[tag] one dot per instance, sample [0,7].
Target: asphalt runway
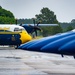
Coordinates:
[21,62]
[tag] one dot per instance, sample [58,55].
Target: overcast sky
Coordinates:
[63,9]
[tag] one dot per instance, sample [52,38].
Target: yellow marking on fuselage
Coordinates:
[9,32]
[5,28]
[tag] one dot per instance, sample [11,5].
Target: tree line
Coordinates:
[46,16]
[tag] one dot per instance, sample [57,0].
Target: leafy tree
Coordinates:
[48,17]
[6,17]
[25,21]
[69,28]
[51,30]
[6,20]
[73,21]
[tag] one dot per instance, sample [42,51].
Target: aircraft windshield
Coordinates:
[19,29]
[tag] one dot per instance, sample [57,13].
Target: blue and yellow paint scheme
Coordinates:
[13,35]
[14,38]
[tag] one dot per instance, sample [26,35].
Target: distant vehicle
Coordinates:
[13,35]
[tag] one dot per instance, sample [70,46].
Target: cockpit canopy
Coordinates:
[18,29]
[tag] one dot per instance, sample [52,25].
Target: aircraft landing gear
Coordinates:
[62,55]
[16,47]
[74,56]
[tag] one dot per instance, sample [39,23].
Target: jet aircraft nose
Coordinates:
[25,37]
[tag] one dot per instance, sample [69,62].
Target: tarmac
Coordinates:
[22,62]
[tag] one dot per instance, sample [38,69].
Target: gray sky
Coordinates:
[63,9]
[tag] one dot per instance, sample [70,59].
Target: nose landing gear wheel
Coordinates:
[16,47]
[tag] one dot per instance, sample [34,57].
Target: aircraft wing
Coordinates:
[48,24]
[40,25]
